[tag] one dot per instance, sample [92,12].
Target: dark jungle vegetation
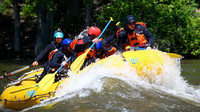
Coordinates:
[27,26]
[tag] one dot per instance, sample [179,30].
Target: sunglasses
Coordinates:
[131,24]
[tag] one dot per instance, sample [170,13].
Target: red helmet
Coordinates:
[94,31]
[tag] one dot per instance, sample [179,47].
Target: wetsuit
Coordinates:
[139,29]
[48,49]
[123,36]
[109,39]
[54,62]
[80,46]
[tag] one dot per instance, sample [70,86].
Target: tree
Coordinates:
[44,27]
[17,27]
[43,10]
[174,23]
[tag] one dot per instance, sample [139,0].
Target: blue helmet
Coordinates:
[98,45]
[66,42]
[58,34]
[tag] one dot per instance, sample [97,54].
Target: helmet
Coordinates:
[66,42]
[130,19]
[99,45]
[58,34]
[94,31]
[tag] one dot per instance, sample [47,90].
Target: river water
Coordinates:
[102,90]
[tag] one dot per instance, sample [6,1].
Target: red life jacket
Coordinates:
[90,54]
[52,53]
[111,51]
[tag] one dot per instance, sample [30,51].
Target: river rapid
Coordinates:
[122,90]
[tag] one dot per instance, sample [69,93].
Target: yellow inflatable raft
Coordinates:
[25,93]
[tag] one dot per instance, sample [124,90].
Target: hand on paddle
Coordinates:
[148,48]
[35,63]
[64,63]
[77,64]
[95,40]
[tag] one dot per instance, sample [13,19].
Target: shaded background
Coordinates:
[27,26]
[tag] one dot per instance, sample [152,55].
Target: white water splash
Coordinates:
[82,34]
[168,82]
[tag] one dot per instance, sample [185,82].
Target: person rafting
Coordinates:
[134,34]
[57,59]
[55,45]
[103,50]
[80,46]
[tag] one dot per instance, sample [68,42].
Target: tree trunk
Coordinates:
[87,16]
[50,25]
[44,28]
[88,11]
[17,27]
[41,37]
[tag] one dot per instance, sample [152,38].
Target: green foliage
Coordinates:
[31,6]
[4,6]
[174,23]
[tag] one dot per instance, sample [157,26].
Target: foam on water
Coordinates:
[169,82]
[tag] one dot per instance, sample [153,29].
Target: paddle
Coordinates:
[172,55]
[48,79]
[20,80]
[76,65]
[16,71]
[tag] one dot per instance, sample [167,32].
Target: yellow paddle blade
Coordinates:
[173,55]
[76,65]
[47,81]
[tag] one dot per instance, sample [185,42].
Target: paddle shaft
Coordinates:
[19,81]
[19,70]
[76,65]
[138,48]
[101,34]
[48,79]
[63,65]
[14,72]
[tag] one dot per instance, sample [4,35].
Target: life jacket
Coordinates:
[65,67]
[103,54]
[141,23]
[135,39]
[56,46]
[50,57]
[111,51]
[73,44]
[52,53]
[90,54]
